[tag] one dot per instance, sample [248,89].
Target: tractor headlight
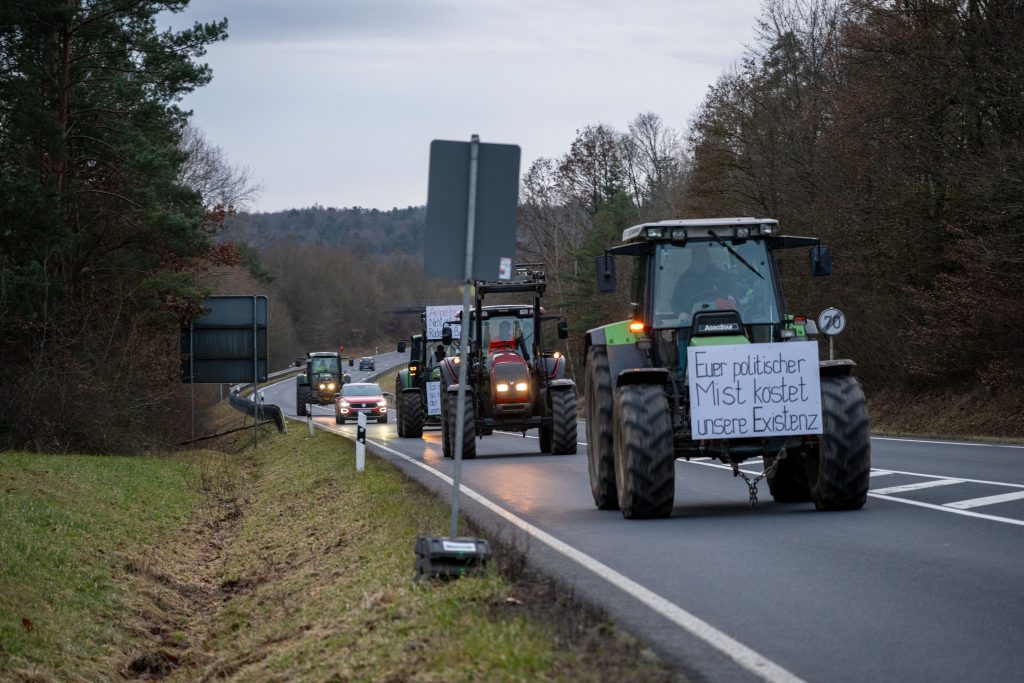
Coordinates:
[330,386]
[323,385]
[502,387]
[522,386]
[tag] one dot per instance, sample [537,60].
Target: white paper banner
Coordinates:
[433,398]
[754,390]
[437,316]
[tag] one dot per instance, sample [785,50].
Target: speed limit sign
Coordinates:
[831,321]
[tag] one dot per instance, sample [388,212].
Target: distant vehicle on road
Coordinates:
[366,363]
[360,397]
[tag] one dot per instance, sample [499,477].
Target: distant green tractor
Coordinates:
[711,367]
[418,386]
[321,380]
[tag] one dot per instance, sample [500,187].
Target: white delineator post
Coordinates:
[361,442]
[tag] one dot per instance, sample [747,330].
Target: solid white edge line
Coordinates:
[739,653]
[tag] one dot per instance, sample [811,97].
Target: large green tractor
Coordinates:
[320,381]
[711,366]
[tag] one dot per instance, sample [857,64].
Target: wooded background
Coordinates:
[892,130]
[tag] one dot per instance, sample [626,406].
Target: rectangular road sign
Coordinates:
[497,201]
[227,345]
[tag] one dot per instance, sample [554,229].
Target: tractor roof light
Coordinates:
[636,327]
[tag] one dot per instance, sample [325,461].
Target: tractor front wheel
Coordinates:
[468,425]
[301,399]
[600,451]
[563,422]
[410,414]
[788,482]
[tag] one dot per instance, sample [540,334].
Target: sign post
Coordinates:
[831,322]
[469,185]
[226,345]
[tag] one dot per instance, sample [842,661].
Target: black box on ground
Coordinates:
[438,556]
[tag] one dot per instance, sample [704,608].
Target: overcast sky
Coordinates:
[335,102]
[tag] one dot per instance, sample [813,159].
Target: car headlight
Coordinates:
[343,404]
[382,402]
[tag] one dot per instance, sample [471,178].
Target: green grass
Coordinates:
[70,525]
[280,563]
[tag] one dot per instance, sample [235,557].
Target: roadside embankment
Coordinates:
[275,563]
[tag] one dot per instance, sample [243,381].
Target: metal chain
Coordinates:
[752,483]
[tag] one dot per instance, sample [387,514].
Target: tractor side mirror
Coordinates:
[563,329]
[605,273]
[446,335]
[401,346]
[821,261]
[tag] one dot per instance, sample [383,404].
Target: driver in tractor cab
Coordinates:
[702,284]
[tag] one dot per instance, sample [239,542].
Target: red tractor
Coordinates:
[513,381]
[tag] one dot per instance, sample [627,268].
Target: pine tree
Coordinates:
[99,241]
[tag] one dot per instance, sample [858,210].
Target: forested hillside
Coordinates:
[360,231]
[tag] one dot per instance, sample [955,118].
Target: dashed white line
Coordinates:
[917,486]
[987,500]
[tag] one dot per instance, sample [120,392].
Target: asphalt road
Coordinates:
[926,583]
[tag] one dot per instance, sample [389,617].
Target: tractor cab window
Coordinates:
[507,333]
[322,364]
[704,276]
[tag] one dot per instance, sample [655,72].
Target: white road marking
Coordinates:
[987,500]
[949,443]
[879,473]
[944,508]
[960,479]
[919,485]
[742,655]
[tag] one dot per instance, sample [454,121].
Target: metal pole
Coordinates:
[460,412]
[192,382]
[831,347]
[255,378]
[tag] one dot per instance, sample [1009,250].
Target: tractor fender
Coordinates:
[658,376]
[454,389]
[562,384]
[836,368]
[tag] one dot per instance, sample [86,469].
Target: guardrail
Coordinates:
[259,410]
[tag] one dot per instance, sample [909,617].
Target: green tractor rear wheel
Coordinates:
[840,474]
[644,456]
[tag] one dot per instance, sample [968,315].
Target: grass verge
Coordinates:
[279,563]
[71,526]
